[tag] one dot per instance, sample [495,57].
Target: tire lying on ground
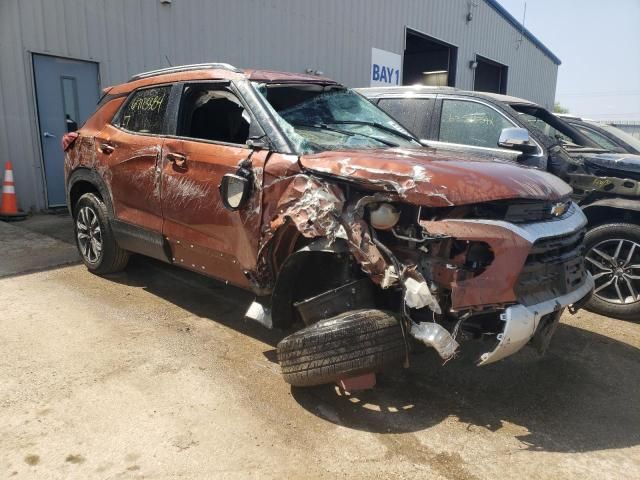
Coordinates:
[346,345]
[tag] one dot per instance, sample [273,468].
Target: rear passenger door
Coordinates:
[131,145]
[208,140]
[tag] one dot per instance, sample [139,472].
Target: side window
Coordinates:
[545,128]
[471,123]
[413,113]
[210,112]
[600,139]
[144,112]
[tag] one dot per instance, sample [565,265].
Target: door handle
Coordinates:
[177,159]
[48,135]
[107,148]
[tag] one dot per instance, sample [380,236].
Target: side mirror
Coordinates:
[234,191]
[516,139]
[258,142]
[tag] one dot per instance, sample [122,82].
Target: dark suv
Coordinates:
[605,184]
[605,136]
[335,216]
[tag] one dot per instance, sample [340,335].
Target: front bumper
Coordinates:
[512,245]
[521,322]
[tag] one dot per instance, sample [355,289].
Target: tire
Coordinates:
[90,211]
[606,238]
[346,345]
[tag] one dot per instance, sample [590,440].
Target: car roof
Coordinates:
[418,89]
[214,71]
[570,117]
[273,76]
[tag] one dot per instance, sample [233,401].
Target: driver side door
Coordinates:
[209,141]
[468,125]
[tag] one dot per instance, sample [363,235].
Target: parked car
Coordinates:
[605,184]
[334,215]
[606,136]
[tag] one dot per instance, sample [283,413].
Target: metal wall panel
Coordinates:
[333,36]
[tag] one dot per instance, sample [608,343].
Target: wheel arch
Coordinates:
[85,180]
[612,210]
[327,265]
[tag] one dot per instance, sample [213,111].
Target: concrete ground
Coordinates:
[153,373]
[39,242]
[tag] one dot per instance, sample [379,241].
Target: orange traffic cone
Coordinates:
[9,205]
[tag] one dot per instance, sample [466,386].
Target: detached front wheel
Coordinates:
[613,258]
[94,238]
[346,345]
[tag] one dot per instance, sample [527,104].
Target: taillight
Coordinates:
[68,139]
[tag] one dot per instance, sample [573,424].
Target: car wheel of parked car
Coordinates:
[346,345]
[613,258]
[96,243]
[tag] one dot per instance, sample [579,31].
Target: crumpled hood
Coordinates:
[437,178]
[624,162]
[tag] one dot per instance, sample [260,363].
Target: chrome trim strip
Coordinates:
[521,322]
[572,221]
[500,152]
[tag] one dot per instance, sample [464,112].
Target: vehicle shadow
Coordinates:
[581,396]
[199,295]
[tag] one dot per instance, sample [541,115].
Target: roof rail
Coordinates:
[185,68]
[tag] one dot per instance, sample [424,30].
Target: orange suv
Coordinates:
[300,190]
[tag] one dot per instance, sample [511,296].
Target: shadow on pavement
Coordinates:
[582,396]
[200,295]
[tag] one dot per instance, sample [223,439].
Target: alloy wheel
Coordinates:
[89,234]
[615,266]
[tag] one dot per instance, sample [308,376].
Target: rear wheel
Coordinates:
[613,258]
[346,345]
[94,238]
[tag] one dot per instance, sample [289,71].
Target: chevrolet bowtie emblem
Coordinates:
[559,209]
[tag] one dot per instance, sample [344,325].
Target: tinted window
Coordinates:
[413,113]
[600,139]
[213,113]
[471,123]
[547,129]
[144,113]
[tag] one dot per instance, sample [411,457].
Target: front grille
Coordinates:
[554,267]
[529,212]
[514,211]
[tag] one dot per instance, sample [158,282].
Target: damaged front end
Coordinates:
[457,246]
[501,271]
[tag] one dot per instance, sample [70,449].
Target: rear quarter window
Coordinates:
[145,111]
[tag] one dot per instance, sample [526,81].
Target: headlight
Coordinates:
[383,216]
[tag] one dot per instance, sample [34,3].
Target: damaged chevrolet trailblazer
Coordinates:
[302,191]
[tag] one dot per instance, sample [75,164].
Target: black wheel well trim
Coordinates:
[83,175]
[609,210]
[282,294]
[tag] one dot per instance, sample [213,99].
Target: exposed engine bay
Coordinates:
[498,271]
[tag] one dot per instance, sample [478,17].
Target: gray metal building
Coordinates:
[56,54]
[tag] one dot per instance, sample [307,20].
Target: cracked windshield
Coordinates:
[318,118]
